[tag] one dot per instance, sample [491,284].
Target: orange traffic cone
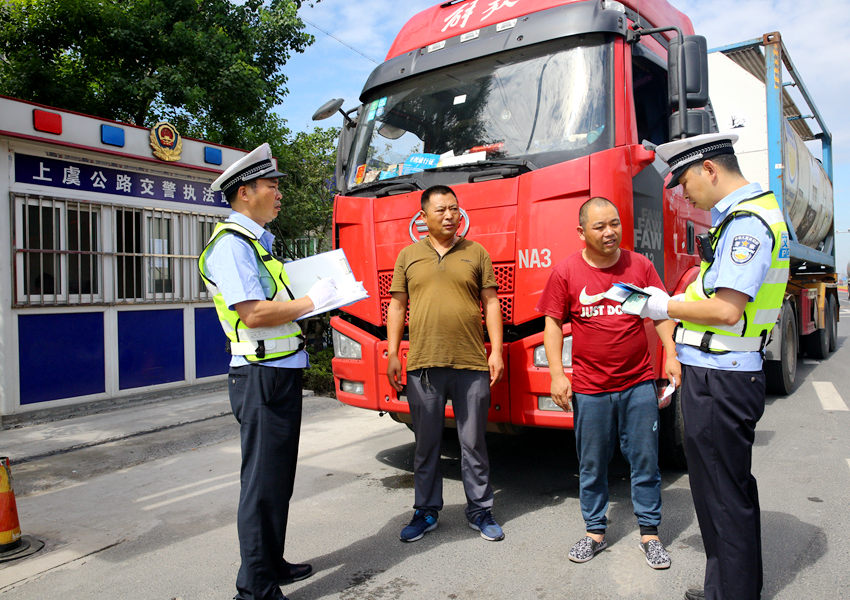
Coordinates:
[12,544]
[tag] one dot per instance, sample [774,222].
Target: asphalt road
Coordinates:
[153,517]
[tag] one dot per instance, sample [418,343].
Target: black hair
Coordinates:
[435,189]
[595,201]
[231,196]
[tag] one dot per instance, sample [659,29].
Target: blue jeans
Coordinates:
[631,416]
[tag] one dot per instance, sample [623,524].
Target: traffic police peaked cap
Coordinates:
[255,165]
[681,154]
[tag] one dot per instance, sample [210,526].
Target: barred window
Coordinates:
[161,245]
[128,254]
[205,230]
[57,257]
[65,256]
[84,262]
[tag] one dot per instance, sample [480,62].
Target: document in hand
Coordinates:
[303,273]
[632,297]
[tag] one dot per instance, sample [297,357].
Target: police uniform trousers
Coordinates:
[266,402]
[427,390]
[720,410]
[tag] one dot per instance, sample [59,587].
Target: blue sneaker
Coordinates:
[422,522]
[486,524]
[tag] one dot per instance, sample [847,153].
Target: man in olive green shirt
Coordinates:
[447,279]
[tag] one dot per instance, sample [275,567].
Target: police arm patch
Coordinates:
[744,247]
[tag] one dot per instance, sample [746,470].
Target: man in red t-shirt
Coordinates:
[613,387]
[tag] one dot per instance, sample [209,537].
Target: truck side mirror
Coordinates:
[697,122]
[695,57]
[343,149]
[328,109]
[346,136]
[695,89]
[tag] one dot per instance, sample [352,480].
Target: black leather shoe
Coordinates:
[291,573]
[695,594]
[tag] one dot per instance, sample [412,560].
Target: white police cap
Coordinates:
[255,165]
[681,154]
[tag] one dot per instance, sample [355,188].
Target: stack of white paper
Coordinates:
[303,273]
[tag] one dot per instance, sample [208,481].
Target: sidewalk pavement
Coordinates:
[146,413]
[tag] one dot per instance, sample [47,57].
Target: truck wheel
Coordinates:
[671,436]
[781,374]
[817,342]
[832,322]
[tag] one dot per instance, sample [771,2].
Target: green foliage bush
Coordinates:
[319,377]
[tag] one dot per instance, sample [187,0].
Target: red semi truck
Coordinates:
[527,109]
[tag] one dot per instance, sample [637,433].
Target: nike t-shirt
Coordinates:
[610,350]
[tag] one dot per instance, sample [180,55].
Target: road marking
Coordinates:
[180,488]
[810,361]
[829,397]
[190,495]
[848,463]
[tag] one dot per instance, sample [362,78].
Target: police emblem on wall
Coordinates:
[166,141]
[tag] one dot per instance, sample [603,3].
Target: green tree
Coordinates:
[211,67]
[308,160]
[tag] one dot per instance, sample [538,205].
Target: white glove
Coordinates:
[656,305]
[323,293]
[678,298]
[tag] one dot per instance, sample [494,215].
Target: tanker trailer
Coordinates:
[773,149]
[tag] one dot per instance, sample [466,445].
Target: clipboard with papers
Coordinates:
[304,272]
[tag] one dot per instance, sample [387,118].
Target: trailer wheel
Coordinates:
[672,435]
[781,374]
[817,342]
[832,322]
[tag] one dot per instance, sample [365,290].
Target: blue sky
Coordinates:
[814,33]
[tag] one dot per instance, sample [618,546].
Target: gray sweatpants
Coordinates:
[469,391]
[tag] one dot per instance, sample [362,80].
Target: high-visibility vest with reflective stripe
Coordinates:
[761,313]
[258,344]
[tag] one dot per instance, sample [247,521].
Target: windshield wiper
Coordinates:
[387,187]
[484,170]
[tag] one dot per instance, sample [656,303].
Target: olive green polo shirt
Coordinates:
[445,326]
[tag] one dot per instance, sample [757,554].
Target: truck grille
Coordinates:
[504,277]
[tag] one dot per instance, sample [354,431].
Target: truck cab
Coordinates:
[527,112]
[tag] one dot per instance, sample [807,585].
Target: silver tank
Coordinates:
[808,191]
[738,98]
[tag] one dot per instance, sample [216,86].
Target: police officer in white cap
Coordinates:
[257,311]
[725,318]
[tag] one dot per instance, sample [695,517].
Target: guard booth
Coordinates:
[100,229]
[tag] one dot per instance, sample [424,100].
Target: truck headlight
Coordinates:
[566,354]
[352,387]
[345,347]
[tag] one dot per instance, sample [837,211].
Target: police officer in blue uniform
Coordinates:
[257,312]
[725,318]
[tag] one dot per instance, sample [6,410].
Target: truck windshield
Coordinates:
[546,103]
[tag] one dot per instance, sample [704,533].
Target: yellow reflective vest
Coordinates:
[760,314]
[258,344]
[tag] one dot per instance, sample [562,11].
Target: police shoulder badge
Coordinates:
[744,247]
[166,141]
